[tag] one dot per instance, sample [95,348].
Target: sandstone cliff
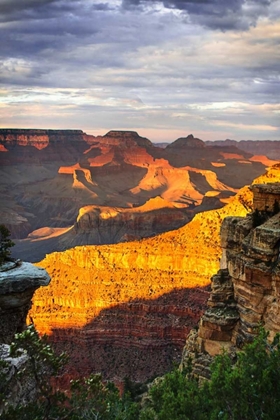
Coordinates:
[125,309]
[245,291]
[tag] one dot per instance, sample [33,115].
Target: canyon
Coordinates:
[125,309]
[63,188]
[131,233]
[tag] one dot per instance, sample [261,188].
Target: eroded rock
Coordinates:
[17,285]
[245,292]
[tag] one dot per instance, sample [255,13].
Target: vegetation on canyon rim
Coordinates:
[5,243]
[248,389]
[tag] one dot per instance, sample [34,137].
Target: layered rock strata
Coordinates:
[125,309]
[269,148]
[245,291]
[49,176]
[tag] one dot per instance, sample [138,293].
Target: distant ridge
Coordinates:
[37,131]
[269,148]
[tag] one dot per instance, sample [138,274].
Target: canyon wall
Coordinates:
[245,291]
[125,309]
[269,148]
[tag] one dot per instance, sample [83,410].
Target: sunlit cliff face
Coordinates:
[111,305]
[88,279]
[108,304]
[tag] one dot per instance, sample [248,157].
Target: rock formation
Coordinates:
[125,309]
[101,225]
[49,176]
[189,142]
[18,282]
[245,291]
[126,313]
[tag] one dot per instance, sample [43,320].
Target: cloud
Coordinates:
[150,65]
[214,14]
[13,10]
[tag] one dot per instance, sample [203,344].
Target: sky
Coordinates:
[162,68]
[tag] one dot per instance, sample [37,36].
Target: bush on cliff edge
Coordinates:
[88,398]
[247,390]
[5,243]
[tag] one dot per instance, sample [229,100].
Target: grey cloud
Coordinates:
[14,10]
[214,14]
[49,25]
[68,31]
[155,54]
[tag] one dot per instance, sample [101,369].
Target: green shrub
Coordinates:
[247,390]
[5,243]
[88,398]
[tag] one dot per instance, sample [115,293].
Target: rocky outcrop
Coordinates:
[266,198]
[18,282]
[245,291]
[40,146]
[18,388]
[104,225]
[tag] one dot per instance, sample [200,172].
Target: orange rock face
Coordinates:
[125,309]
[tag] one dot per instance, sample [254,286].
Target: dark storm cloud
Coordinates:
[215,14]
[33,27]
[14,10]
